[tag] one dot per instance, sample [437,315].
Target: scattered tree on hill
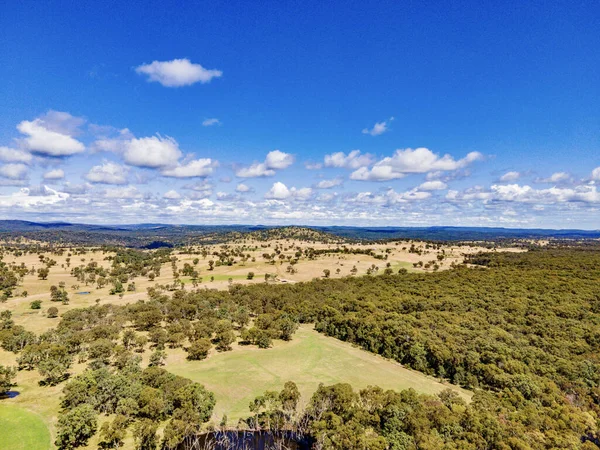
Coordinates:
[7,377]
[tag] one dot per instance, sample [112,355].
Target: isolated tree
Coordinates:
[52,312]
[250,275]
[326,273]
[36,304]
[7,376]
[199,349]
[43,273]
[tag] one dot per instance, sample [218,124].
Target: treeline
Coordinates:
[527,328]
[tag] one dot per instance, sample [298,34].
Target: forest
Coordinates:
[521,330]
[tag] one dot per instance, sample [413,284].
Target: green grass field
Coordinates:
[239,376]
[22,430]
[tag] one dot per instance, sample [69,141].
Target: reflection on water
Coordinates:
[9,394]
[247,440]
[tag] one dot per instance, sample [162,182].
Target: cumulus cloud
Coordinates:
[352,160]
[13,171]
[56,174]
[211,122]
[178,72]
[156,152]
[242,188]
[14,155]
[596,174]
[435,185]
[172,195]
[197,168]
[409,161]
[108,173]
[275,160]
[51,136]
[378,128]
[328,184]
[280,191]
[510,176]
[152,152]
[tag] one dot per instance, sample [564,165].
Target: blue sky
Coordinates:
[356,113]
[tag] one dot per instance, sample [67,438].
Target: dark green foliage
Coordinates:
[36,304]
[199,349]
[75,427]
[113,433]
[7,377]
[144,434]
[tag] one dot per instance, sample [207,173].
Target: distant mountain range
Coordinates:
[155,235]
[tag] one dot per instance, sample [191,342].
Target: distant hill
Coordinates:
[457,233]
[160,235]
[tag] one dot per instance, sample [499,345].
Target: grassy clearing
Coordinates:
[238,376]
[21,429]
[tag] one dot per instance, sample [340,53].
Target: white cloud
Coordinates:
[557,177]
[420,160]
[435,185]
[275,160]
[328,184]
[116,143]
[280,191]
[62,122]
[172,195]
[254,171]
[242,188]
[13,171]
[24,199]
[178,72]
[43,140]
[108,173]
[197,168]
[200,190]
[14,155]
[596,174]
[390,197]
[527,194]
[211,122]
[353,160]
[302,193]
[516,193]
[152,152]
[56,174]
[510,176]
[278,160]
[378,128]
